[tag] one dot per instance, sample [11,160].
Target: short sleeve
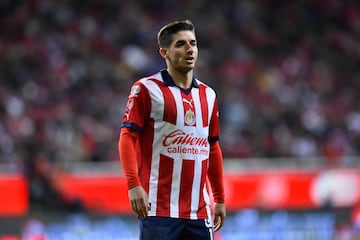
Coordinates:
[137,107]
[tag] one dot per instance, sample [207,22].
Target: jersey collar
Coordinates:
[170,82]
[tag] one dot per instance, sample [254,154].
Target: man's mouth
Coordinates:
[189,59]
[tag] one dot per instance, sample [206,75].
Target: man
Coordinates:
[169,145]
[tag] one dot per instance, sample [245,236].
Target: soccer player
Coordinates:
[169,146]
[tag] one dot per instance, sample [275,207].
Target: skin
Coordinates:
[180,58]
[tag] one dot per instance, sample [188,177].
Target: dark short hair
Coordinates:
[166,32]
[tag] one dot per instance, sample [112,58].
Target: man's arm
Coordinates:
[137,195]
[215,176]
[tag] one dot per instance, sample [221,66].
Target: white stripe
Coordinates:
[211,99]
[207,201]
[157,110]
[195,192]
[198,114]
[179,105]
[175,189]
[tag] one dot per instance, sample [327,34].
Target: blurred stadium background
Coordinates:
[287,75]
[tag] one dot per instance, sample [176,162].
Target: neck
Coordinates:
[181,79]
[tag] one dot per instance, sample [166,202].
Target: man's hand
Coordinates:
[219,215]
[139,201]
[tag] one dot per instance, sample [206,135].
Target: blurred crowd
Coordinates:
[287,74]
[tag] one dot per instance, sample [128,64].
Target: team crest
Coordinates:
[190,117]
[134,90]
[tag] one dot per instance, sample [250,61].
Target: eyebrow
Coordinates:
[183,41]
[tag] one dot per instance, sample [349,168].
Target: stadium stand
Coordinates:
[287,75]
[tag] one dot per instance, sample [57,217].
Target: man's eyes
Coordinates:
[179,44]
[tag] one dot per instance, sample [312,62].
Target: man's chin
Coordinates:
[188,68]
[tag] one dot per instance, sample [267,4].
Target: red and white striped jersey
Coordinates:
[176,127]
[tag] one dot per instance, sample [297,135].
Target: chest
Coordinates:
[174,106]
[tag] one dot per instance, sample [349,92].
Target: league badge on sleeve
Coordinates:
[135,90]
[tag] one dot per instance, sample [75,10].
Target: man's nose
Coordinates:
[189,48]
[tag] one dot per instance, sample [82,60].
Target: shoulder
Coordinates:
[205,86]
[149,79]
[145,83]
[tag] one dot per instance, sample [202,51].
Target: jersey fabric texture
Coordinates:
[176,127]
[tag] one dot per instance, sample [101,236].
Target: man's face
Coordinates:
[183,51]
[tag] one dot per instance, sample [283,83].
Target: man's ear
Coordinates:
[163,52]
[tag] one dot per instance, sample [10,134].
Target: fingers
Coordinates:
[218,223]
[139,201]
[219,215]
[140,207]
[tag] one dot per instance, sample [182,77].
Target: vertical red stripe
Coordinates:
[170,110]
[188,104]
[144,149]
[204,105]
[164,185]
[187,178]
[202,204]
